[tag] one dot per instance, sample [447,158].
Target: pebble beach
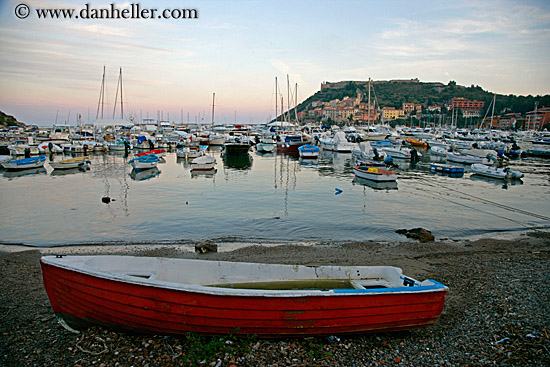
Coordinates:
[497,311]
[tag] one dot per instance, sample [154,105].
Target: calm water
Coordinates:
[262,197]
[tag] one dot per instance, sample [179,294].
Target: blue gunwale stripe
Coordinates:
[435,286]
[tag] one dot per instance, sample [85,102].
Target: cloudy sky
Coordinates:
[52,68]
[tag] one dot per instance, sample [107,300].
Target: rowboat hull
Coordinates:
[204,163]
[375,174]
[308,151]
[158,152]
[139,303]
[80,162]
[27,163]
[463,158]
[145,162]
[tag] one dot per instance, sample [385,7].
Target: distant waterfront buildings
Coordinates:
[537,118]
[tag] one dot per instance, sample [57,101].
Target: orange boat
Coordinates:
[416,143]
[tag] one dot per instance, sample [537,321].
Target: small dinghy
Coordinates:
[78,162]
[308,151]
[175,296]
[145,162]
[440,151]
[158,152]
[495,172]
[20,164]
[374,173]
[204,163]
[463,158]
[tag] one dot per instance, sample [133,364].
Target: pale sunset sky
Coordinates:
[52,68]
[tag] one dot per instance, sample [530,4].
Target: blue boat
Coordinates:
[446,169]
[19,164]
[145,162]
[309,151]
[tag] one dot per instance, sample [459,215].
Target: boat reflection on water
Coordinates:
[143,175]
[26,172]
[240,162]
[184,162]
[203,173]
[387,185]
[70,171]
[496,181]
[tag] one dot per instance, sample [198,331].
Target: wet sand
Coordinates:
[497,311]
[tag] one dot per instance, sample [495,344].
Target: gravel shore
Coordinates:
[497,312]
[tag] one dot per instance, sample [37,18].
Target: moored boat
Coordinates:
[20,164]
[463,158]
[263,147]
[158,152]
[291,143]
[308,151]
[438,151]
[204,163]
[538,152]
[446,169]
[416,143]
[78,162]
[495,172]
[374,173]
[236,147]
[145,162]
[175,296]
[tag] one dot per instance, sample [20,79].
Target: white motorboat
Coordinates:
[495,172]
[338,143]
[463,158]
[400,153]
[49,147]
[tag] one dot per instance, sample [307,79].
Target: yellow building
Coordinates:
[391,113]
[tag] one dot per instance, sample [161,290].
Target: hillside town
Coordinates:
[475,114]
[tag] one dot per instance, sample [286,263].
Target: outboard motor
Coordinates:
[414,155]
[389,161]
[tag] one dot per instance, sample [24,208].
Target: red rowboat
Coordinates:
[158,152]
[175,296]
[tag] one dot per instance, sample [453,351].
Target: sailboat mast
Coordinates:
[213,99]
[101,93]
[282,120]
[296,102]
[121,104]
[116,96]
[288,96]
[276,97]
[368,108]
[492,112]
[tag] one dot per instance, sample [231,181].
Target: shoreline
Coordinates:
[496,311]
[230,244]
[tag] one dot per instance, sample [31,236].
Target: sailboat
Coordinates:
[289,142]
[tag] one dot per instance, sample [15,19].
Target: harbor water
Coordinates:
[262,198]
